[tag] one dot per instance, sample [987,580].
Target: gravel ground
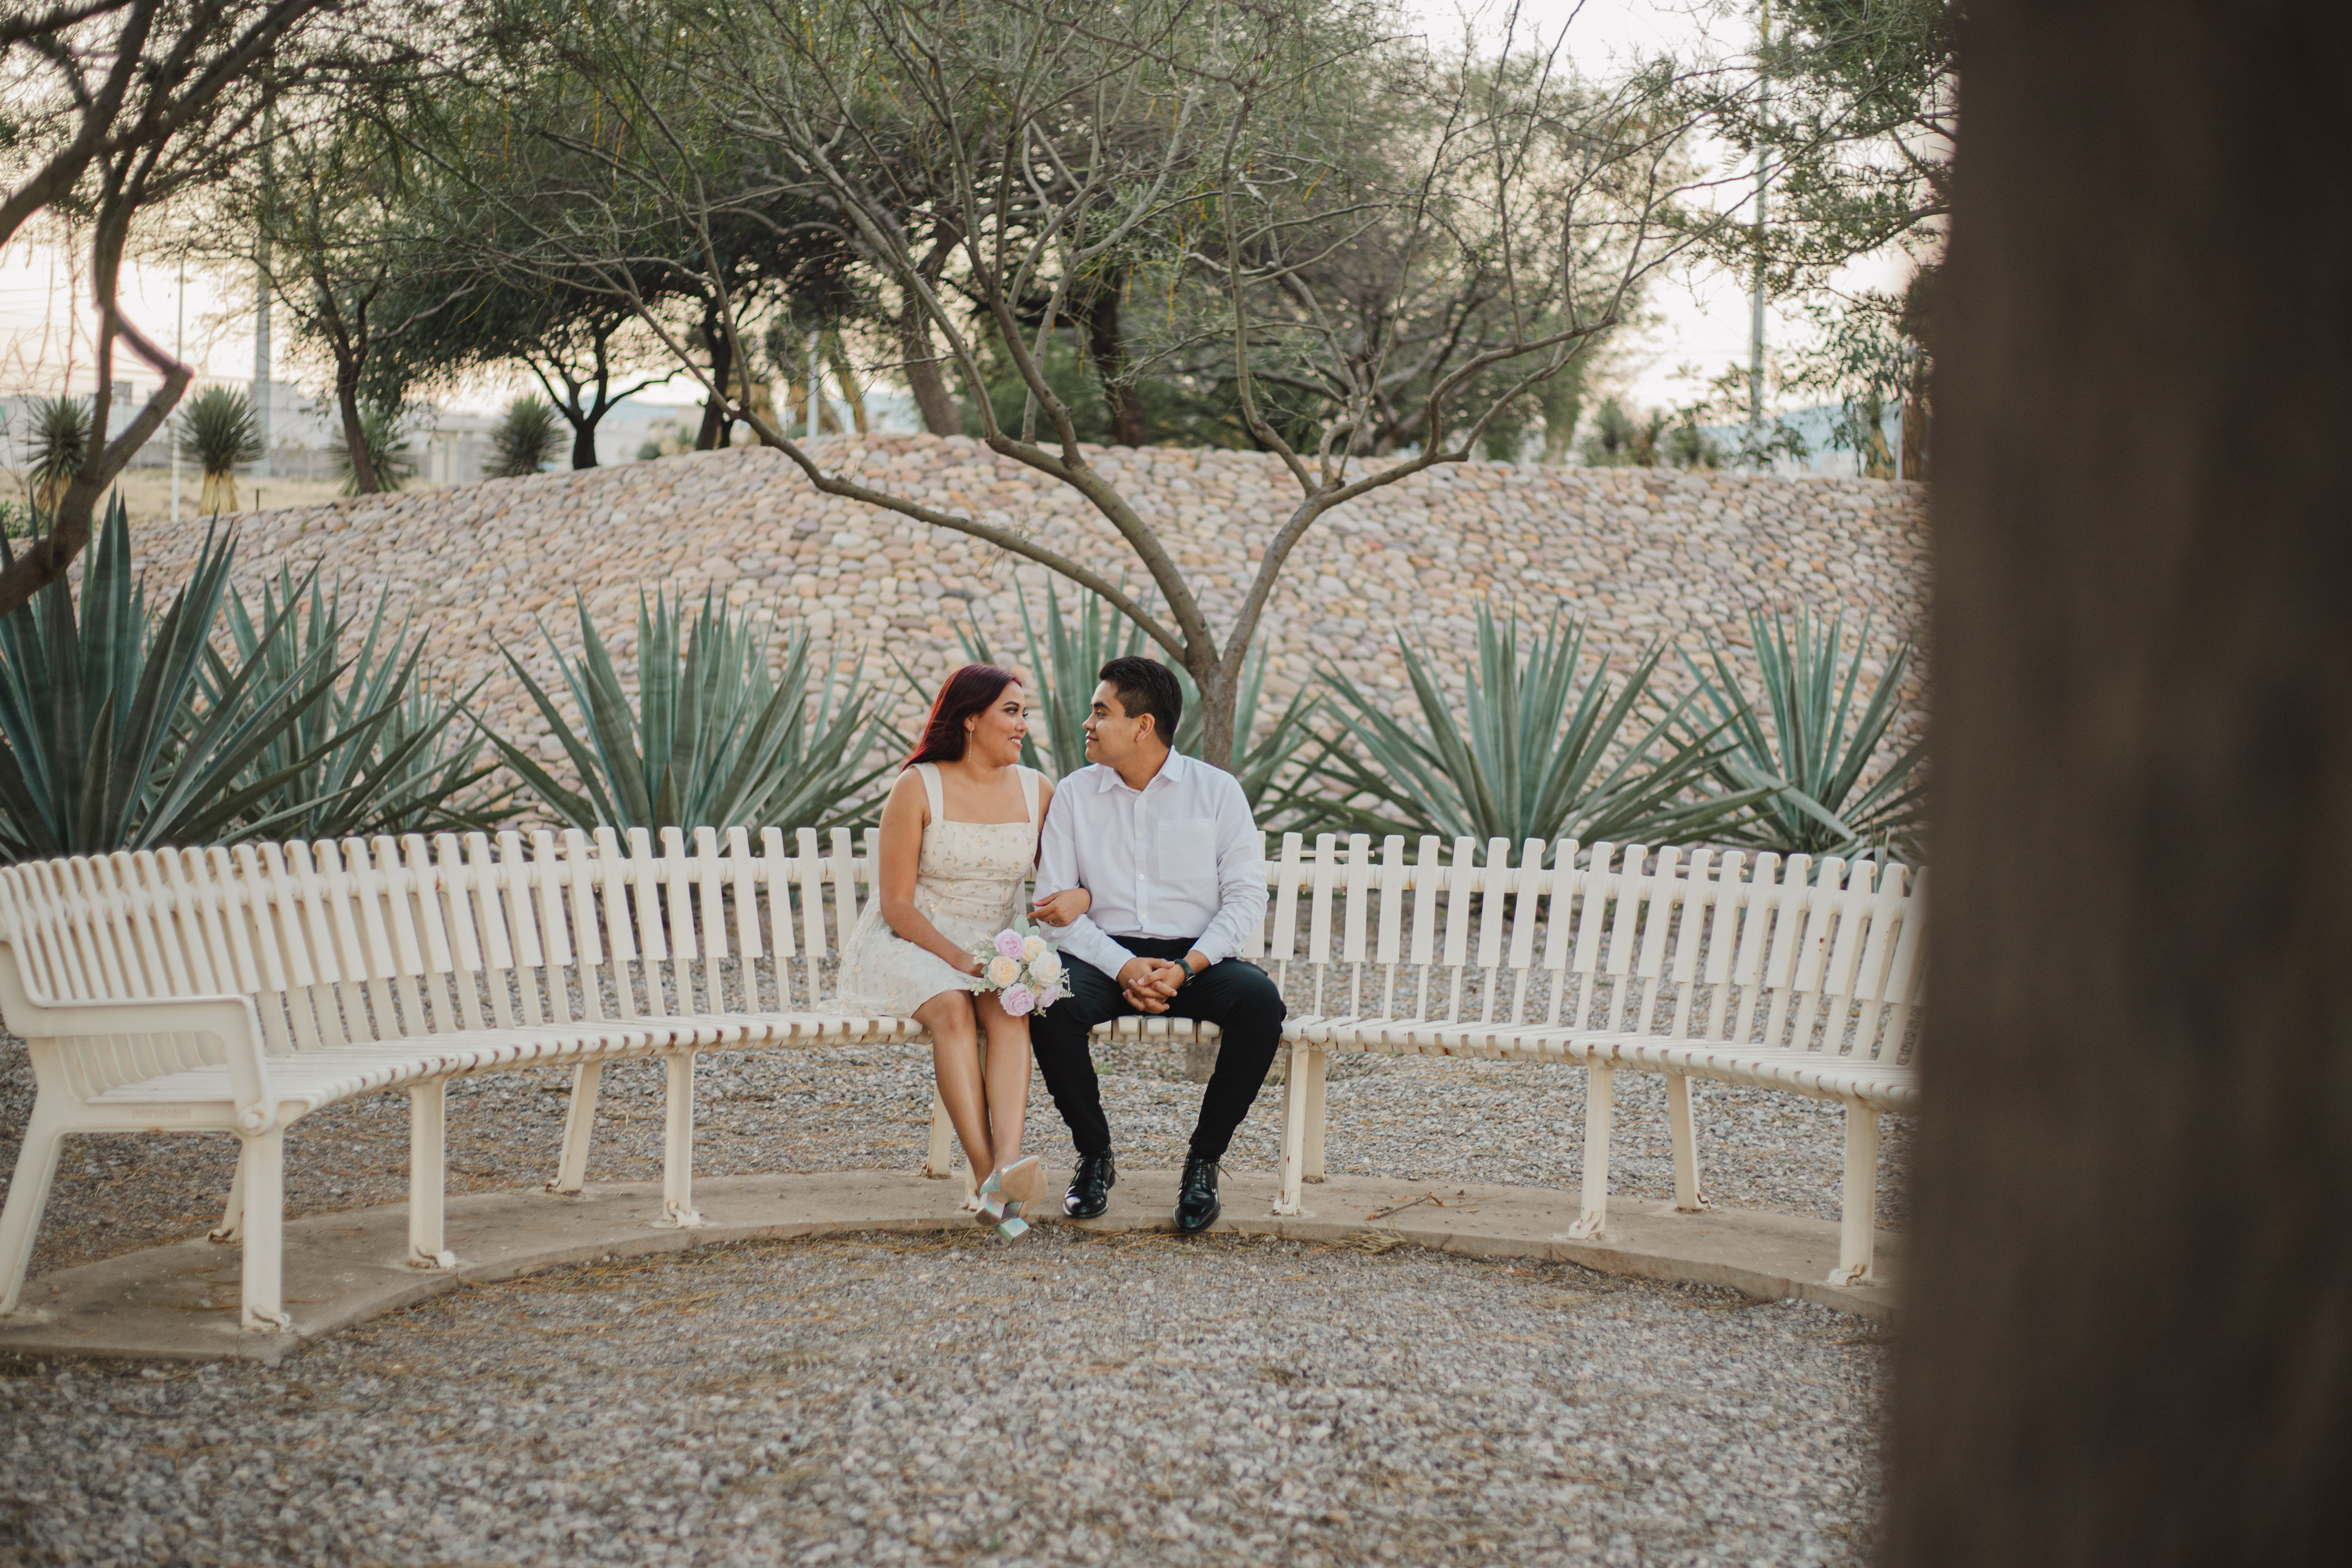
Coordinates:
[869,1106]
[1077,1399]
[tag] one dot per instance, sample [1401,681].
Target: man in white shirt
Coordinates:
[1173,864]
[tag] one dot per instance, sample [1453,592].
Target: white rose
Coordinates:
[1045,968]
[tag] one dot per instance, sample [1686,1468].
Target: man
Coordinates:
[1173,865]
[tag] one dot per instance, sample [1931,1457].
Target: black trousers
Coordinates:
[1240,998]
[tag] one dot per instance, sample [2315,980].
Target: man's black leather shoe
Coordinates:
[1197,1207]
[1090,1186]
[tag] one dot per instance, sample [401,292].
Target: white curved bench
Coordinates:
[236,990]
[1688,964]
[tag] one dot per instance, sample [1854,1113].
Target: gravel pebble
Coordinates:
[1077,1399]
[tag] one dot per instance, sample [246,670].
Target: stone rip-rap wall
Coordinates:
[1641,553]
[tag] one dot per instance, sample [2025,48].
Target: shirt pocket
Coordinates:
[1187,859]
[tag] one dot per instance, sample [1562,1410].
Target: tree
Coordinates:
[1853,107]
[219,434]
[115,108]
[1052,143]
[361,278]
[2125,1322]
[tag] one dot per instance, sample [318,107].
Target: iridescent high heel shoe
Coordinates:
[1009,1191]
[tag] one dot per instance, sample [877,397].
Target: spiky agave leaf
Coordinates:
[710,738]
[118,732]
[1530,749]
[1807,765]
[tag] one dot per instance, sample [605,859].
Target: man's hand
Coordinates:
[1149,983]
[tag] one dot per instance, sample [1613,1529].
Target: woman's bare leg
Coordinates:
[955,1063]
[1007,1075]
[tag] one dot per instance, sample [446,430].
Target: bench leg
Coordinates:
[1598,1093]
[1857,1212]
[1688,1196]
[428,1167]
[579,1128]
[1294,1132]
[677,1147]
[263,1161]
[938,1160]
[232,1223]
[29,1194]
[1318,1064]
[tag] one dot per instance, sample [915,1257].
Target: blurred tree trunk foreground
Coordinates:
[2131,1329]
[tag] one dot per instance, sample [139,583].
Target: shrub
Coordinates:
[218,433]
[381,428]
[525,440]
[1806,766]
[1529,750]
[405,765]
[711,739]
[125,733]
[1064,663]
[62,437]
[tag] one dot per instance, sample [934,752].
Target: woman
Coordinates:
[959,839]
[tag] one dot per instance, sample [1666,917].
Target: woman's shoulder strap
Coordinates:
[930,774]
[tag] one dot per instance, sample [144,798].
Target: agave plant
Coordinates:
[404,766]
[387,449]
[1806,766]
[1530,749]
[218,433]
[525,440]
[120,732]
[60,441]
[1065,662]
[712,739]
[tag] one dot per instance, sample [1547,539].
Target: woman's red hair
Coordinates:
[972,690]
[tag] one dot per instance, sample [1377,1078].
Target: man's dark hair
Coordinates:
[1147,686]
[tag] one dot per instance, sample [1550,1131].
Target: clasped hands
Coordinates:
[1150,983]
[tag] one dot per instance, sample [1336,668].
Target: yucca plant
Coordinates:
[1807,765]
[386,444]
[218,433]
[525,440]
[123,732]
[60,441]
[407,766]
[1065,659]
[711,738]
[1530,749]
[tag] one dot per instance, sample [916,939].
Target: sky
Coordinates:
[1702,315]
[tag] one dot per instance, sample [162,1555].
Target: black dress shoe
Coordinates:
[1090,1186]
[1197,1207]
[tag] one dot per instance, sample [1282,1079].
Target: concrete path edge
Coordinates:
[178,1300]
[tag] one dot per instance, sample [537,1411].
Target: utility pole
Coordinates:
[1763,180]
[261,308]
[180,353]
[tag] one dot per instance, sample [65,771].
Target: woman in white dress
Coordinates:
[958,841]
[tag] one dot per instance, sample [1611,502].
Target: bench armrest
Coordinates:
[230,1018]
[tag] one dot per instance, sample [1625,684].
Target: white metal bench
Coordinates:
[1688,964]
[239,990]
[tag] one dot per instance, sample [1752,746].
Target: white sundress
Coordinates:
[968,883]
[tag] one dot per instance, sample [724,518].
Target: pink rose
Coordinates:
[1015,1000]
[1008,943]
[1047,996]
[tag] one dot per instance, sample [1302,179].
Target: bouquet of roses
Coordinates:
[1022,969]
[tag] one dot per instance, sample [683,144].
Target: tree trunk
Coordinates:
[584,442]
[1217,693]
[925,377]
[1107,347]
[716,424]
[364,479]
[2127,1329]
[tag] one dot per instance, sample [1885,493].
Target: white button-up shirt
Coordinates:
[1180,859]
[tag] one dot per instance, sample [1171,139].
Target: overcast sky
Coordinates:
[1703,315]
